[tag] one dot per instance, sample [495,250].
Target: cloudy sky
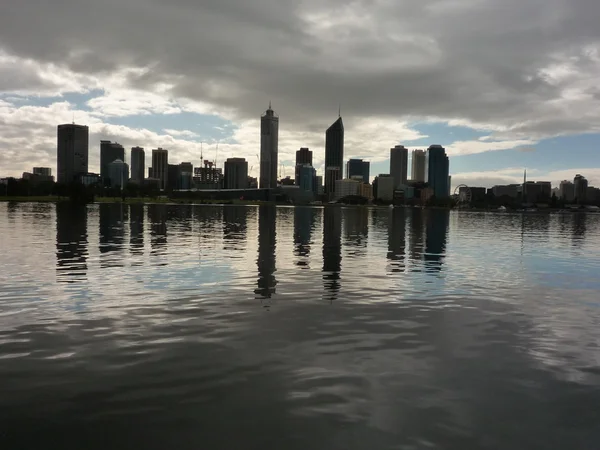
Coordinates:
[503,84]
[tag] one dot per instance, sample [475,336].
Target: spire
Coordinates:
[339,110]
[270,104]
[525,176]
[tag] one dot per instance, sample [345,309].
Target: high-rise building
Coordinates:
[118,173]
[173,177]
[109,152]
[160,166]
[186,174]
[399,165]
[581,185]
[334,155]
[71,152]
[436,170]
[138,163]
[418,166]
[307,177]
[303,156]
[358,168]
[566,191]
[42,171]
[236,173]
[269,141]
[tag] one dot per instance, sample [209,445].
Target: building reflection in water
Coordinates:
[578,228]
[71,242]
[332,251]
[112,233]
[157,216]
[435,238]
[136,229]
[397,240]
[267,241]
[416,240]
[356,229]
[304,222]
[235,227]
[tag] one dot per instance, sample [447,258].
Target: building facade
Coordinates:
[109,152]
[186,174]
[358,168]
[566,191]
[160,166]
[236,173]
[269,142]
[580,186]
[418,166]
[334,156]
[303,156]
[506,190]
[138,165]
[399,164]
[118,173]
[383,187]
[436,170]
[307,177]
[42,171]
[346,187]
[72,150]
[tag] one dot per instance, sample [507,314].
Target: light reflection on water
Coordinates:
[179,326]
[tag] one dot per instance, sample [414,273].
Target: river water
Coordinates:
[233,327]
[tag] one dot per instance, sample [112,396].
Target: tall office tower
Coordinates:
[418,166]
[303,156]
[109,152]
[567,190]
[334,155]
[399,164]
[581,185]
[358,168]
[236,173]
[138,163]
[269,141]
[160,166]
[71,151]
[436,170]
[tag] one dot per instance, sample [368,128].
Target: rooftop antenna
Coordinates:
[73,117]
[269,104]
[201,157]
[339,110]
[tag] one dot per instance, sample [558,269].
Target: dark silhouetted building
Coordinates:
[580,185]
[269,141]
[160,166]
[138,164]
[186,175]
[418,166]
[118,173]
[109,152]
[399,165]
[303,156]
[71,152]
[358,168]
[236,173]
[436,170]
[173,176]
[334,156]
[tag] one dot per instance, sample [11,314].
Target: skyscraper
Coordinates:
[334,155]
[358,168]
[138,162]
[71,151]
[418,166]
[581,185]
[160,166]
[236,173]
[399,164]
[109,152]
[303,156]
[118,173]
[436,170]
[269,141]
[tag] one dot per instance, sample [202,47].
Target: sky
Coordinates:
[503,85]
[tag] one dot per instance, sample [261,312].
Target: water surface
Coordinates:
[226,327]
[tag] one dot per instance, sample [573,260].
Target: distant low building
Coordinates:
[90,179]
[567,191]
[346,187]
[383,187]
[507,190]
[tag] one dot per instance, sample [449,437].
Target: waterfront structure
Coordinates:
[383,187]
[580,185]
[71,152]
[138,163]
[436,170]
[186,174]
[566,191]
[418,166]
[109,152]
[236,173]
[118,173]
[307,176]
[269,141]
[358,168]
[346,187]
[399,164]
[334,155]
[160,166]
[303,156]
